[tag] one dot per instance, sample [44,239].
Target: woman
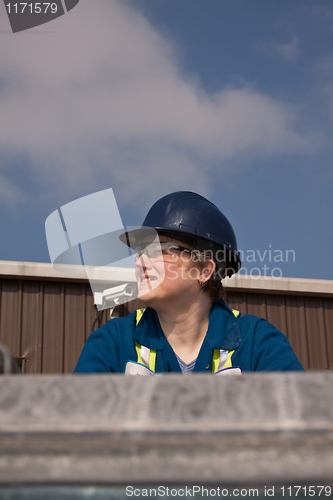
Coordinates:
[186,325]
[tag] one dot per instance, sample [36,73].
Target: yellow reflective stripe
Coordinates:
[152,360]
[228,363]
[152,352]
[138,353]
[152,357]
[139,313]
[217,354]
[216,360]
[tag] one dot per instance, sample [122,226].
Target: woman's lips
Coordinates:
[147,278]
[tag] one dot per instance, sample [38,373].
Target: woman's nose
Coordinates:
[143,261]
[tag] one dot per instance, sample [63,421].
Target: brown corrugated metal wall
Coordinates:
[307,321]
[47,322]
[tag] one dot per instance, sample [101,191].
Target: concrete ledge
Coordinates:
[175,429]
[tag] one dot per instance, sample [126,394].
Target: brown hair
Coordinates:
[214,288]
[214,285]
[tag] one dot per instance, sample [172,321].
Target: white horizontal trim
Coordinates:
[41,270]
[278,285]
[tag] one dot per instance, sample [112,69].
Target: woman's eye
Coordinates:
[168,251]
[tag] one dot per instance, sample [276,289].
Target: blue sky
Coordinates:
[231,99]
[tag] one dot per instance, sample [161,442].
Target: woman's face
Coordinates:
[166,272]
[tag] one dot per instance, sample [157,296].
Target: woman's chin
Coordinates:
[146,292]
[146,297]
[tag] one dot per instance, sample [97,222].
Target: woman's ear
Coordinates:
[207,270]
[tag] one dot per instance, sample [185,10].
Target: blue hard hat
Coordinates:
[191,218]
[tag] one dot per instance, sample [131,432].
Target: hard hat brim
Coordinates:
[133,237]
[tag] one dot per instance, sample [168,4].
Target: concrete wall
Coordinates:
[255,429]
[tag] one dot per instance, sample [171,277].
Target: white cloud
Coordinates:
[102,102]
[10,194]
[290,50]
